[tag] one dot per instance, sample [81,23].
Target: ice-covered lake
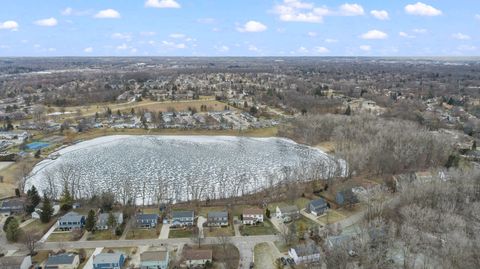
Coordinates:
[155,168]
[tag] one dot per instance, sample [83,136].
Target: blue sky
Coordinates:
[239,28]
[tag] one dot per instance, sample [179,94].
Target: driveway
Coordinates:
[201,220]
[279,225]
[311,217]
[164,231]
[236,226]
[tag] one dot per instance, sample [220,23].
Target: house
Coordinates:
[287,213]
[108,261]
[154,259]
[16,262]
[12,206]
[102,221]
[71,220]
[346,197]
[146,220]
[252,215]
[196,258]
[340,241]
[305,253]
[38,211]
[317,207]
[63,261]
[182,218]
[217,218]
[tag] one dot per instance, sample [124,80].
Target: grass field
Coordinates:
[60,237]
[102,235]
[216,231]
[37,227]
[180,233]
[264,228]
[264,256]
[143,233]
[331,216]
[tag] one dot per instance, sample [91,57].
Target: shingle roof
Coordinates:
[289,209]
[217,214]
[107,258]
[147,216]
[319,203]
[71,217]
[306,250]
[11,262]
[252,211]
[159,255]
[182,214]
[194,254]
[65,258]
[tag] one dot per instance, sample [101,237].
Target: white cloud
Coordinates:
[253,48]
[177,35]
[365,47]
[108,14]
[419,31]
[252,27]
[351,10]
[88,50]
[461,36]
[302,50]
[331,40]
[9,25]
[147,33]
[222,48]
[405,35]
[174,45]
[50,22]
[51,49]
[380,14]
[297,11]
[421,9]
[122,47]
[467,48]
[162,4]
[312,34]
[124,36]
[374,34]
[321,50]
[67,11]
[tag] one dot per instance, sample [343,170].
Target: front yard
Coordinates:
[265,228]
[216,231]
[102,235]
[137,233]
[37,227]
[180,233]
[61,237]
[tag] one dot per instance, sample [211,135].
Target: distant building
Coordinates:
[346,197]
[108,261]
[102,221]
[38,211]
[317,207]
[63,261]
[217,218]
[16,262]
[158,259]
[70,221]
[252,215]
[287,213]
[12,206]
[305,254]
[196,258]
[182,218]
[146,220]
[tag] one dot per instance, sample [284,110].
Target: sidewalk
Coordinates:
[45,236]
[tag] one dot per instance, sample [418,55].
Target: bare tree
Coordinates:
[30,240]
[197,237]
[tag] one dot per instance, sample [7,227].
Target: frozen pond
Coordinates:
[156,168]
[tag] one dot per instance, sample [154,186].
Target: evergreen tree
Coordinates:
[474,145]
[111,222]
[348,112]
[66,201]
[90,222]
[47,210]
[5,225]
[267,213]
[33,199]
[13,230]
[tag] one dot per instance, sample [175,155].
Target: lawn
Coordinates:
[300,203]
[37,227]
[180,233]
[264,228]
[216,231]
[332,216]
[41,256]
[102,235]
[264,257]
[151,210]
[144,233]
[60,237]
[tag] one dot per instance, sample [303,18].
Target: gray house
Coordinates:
[146,220]
[217,218]
[317,207]
[287,213]
[63,261]
[102,221]
[12,206]
[71,220]
[182,218]
[346,197]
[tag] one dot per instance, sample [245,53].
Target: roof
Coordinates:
[303,250]
[195,254]
[318,203]
[65,258]
[253,211]
[217,214]
[72,217]
[103,218]
[159,255]
[147,216]
[107,258]
[182,214]
[11,262]
[288,209]
[13,203]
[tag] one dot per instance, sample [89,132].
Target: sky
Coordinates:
[239,28]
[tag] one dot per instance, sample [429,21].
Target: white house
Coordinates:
[16,262]
[287,213]
[305,254]
[252,216]
[38,211]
